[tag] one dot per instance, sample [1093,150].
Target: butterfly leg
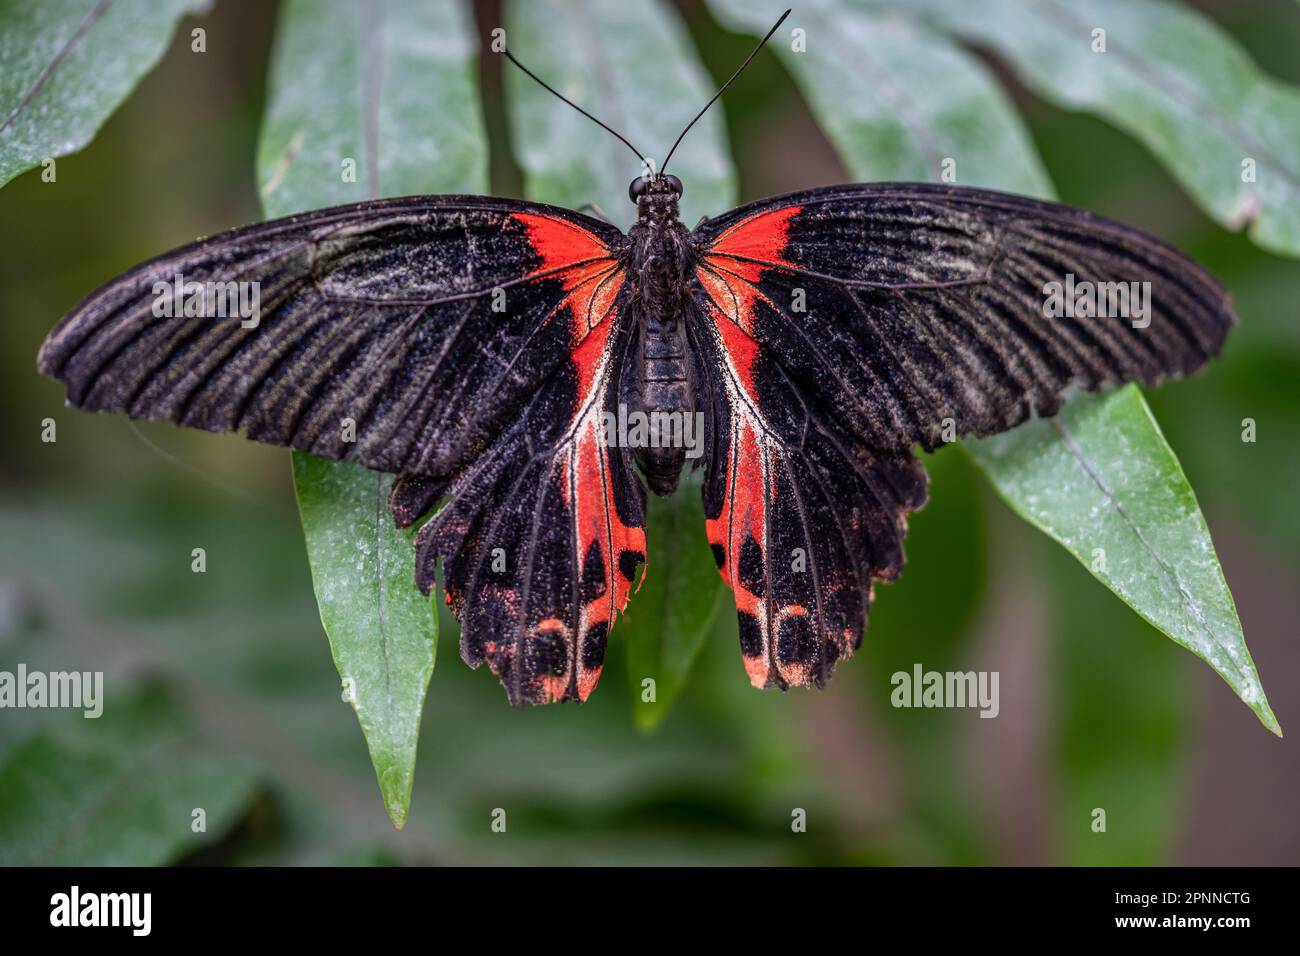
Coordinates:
[595,211]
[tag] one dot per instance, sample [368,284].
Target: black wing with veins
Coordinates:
[841,327]
[467,344]
[424,321]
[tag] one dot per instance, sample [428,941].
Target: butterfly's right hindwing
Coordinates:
[545,533]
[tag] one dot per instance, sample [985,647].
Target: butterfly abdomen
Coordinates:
[661,262]
[666,403]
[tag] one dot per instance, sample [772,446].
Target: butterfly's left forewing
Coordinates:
[918,313]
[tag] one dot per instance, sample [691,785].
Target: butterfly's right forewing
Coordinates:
[399,334]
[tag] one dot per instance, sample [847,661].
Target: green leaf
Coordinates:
[392,89]
[929,101]
[634,68]
[118,790]
[68,64]
[1170,78]
[1254,388]
[392,86]
[676,607]
[1047,497]
[1100,478]
[382,631]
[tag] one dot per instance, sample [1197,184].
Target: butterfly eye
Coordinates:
[675,183]
[638,186]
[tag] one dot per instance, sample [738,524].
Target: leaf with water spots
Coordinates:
[382,631]
[1166,75]
[68,64]
[1100,478]
[391,89]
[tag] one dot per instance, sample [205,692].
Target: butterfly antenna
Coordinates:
[740,69]
[550,89]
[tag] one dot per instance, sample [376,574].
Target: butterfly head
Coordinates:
[655,196]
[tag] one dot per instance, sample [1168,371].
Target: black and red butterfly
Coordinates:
[477,343]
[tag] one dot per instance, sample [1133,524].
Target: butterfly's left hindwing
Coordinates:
[800,517]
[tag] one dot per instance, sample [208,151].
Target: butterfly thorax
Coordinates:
[660,262]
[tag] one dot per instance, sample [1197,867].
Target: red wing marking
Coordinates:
[574,256]
[741,527]
[740,533]
[732,283]
[593,278]
[761,236]
[587,475]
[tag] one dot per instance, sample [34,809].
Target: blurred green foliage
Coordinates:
[222,694]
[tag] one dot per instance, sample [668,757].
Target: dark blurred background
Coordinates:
[224,681]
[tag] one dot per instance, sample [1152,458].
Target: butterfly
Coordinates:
[479,348]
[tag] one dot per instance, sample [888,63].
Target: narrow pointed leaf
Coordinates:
[676,608]
[387,92]
[382,631]
[1100,478]
[68,64]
